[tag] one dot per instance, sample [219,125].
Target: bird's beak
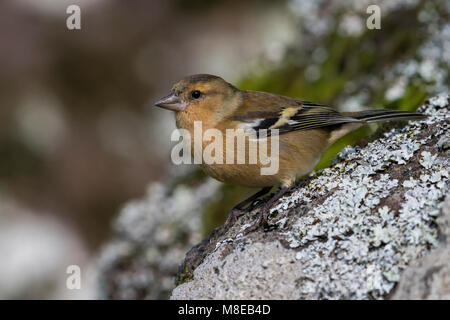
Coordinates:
[171,102]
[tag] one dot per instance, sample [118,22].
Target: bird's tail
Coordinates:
[385,115]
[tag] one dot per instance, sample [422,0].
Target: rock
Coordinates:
[347,232]
[429,278]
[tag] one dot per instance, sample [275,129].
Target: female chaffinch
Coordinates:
[305,131]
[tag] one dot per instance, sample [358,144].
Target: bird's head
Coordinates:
[200,93]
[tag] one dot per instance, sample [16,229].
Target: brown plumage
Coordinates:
[306,130]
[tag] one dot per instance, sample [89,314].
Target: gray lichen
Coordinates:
[347,232]
[151,237]
[429,278]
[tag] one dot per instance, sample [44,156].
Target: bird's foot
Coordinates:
[263,218]
[234,214]
[238,210]
[261,222]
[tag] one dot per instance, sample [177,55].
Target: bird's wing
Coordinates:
[287,114]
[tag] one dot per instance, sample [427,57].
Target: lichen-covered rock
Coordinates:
[346,232]
[429,278]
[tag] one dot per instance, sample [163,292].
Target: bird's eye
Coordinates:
[196,94]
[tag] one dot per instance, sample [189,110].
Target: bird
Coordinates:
[304,131]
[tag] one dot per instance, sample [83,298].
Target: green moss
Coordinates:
[186,276]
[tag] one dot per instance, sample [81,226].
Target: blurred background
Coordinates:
[79,137]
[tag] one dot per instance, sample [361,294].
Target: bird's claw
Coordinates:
[232,217]
[260,223]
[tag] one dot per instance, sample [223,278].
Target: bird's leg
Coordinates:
[237,210]
[264,214]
